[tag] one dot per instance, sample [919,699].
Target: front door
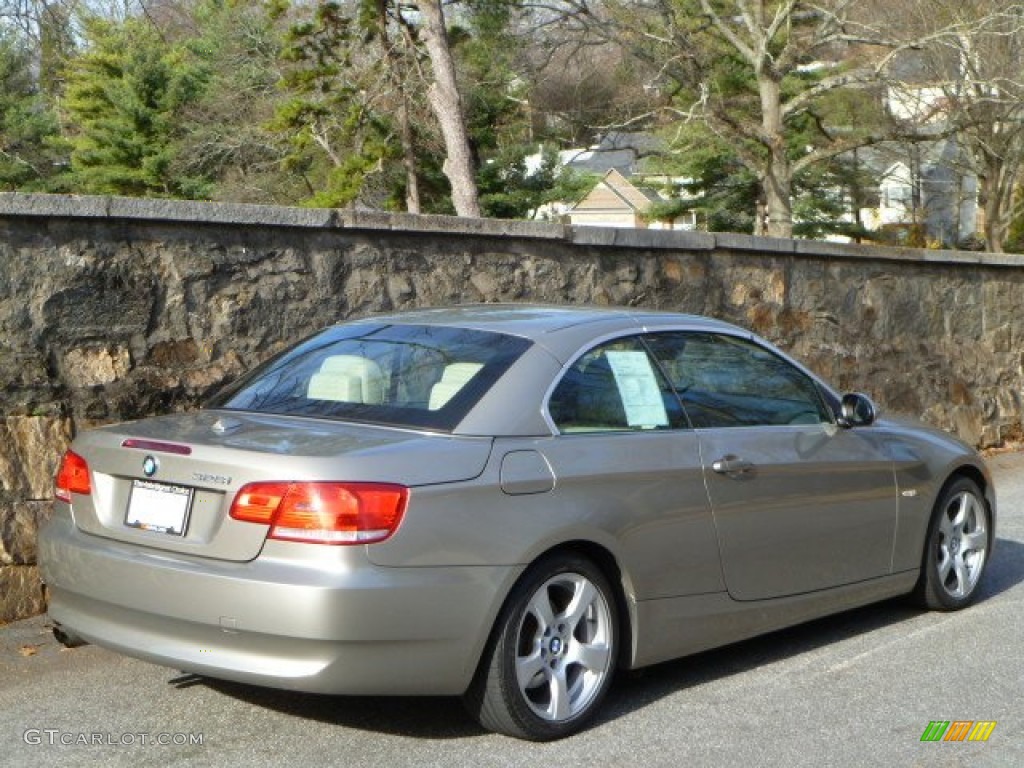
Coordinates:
[799,503]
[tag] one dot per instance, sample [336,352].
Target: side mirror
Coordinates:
[858,410]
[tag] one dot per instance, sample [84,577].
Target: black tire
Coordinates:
[957,548]
[566,658]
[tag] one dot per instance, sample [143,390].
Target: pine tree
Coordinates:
[125,97]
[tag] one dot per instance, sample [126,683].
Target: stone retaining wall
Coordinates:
[114,309]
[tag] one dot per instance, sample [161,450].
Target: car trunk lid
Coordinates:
[168,483]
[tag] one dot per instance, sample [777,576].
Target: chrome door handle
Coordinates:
[732,465]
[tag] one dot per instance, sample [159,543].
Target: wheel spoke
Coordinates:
[962,577]
[591,656]
[976,541]
[560,706]
[946,526]
[540,607]
[961,511]
[528,668]
[582,599]
[945,565]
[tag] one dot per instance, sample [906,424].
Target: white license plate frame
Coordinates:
[159,507]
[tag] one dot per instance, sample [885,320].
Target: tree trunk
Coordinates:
[995,193]
[778,180]
[777,194]
[397,78]
[993,226]
[412,182]
[444,98]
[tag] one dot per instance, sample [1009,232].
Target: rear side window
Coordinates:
[612,388]
[725,381]
[399,375]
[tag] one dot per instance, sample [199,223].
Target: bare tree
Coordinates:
[582,91]
[48,26]
[977,72]
[758,72]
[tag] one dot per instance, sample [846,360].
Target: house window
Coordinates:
[894,195]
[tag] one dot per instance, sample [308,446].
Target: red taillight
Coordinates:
[73,477]
[323,513]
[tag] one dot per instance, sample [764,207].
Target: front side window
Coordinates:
[725,381]
[399,375]
[614,387]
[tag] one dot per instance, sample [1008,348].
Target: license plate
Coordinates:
[158,507]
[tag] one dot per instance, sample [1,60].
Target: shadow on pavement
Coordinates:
[444,718]
[1005,569]
[417,717]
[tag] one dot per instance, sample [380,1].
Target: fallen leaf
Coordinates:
[28,650]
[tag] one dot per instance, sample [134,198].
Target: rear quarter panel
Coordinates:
[639,496]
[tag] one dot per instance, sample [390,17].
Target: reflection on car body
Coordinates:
[506,503]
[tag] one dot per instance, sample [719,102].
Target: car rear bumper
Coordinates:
[337,624]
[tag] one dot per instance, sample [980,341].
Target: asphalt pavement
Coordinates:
[858,689]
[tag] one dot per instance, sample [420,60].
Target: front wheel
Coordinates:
[552,654]
[957,547]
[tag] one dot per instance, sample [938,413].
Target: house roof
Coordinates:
[622,151]
[615,193]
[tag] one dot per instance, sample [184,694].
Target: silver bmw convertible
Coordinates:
[505,503]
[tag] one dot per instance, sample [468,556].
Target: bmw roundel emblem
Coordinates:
[150,466]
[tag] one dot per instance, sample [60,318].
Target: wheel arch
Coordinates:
[624,603]
[609,565]
[984,482]
[979,478]
[952,474]
[982,479]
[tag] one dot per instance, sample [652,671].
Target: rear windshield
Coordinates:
[426,377]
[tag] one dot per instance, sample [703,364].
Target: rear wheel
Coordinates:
[552,654]
[957,548]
